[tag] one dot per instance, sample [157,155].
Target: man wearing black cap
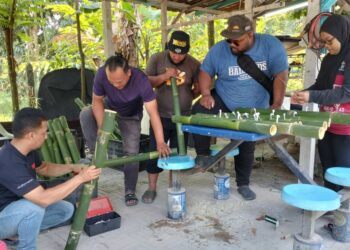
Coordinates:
[234,88]
[173,62]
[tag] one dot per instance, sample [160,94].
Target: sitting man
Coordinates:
[25,206]
[125,90]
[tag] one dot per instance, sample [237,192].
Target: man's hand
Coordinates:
[300,97]
[163,149]
[89,173]
[170,72]
[207,101]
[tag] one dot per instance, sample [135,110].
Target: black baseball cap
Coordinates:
[179,42]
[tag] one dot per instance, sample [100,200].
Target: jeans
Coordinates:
[130,129]
[26,219]
[243,161]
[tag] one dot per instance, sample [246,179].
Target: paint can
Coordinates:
[221,186]
[341,228]
[176,203]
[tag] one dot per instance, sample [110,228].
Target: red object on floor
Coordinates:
[3,245]
[98,206]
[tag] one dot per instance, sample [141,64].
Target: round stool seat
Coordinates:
[339,176]
[177,162]
[214,149]
[310,197]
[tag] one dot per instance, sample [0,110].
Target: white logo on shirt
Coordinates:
[24,184]
[237,71]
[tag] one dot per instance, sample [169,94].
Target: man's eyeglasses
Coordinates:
[235,42]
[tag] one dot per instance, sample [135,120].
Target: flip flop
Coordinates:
[149,196]
[131,200]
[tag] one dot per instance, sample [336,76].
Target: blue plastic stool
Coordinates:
[176,194]
[312,199]
[341,226]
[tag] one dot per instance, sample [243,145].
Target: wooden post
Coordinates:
[308,146]
[164,22]
[211,31]
[107,28]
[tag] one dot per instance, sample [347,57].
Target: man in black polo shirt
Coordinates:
[25,206]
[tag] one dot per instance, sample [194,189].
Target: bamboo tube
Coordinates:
[241,125]
[44,150]
[57,153]
[72,146]
[64,123]
[299,130]
[61,141]
[177,112]
[139,157]
[340,118]
[50,147]
[79,102]
[98,160]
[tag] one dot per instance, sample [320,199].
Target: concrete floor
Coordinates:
[209,224]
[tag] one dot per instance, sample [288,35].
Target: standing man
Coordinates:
[25,206]
[234,88]
[173,62]
[125,90]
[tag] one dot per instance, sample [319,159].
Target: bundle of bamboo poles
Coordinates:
[60,146]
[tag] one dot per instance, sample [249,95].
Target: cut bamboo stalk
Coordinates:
[57,153]
[64,123]
[134,158]
[61,141]
[50,147]
[98,160]
[72,146]
[177,112]
[44,150]
[80,103]
[340,118]
[241,125]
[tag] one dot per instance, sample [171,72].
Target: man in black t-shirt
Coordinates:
[25,206]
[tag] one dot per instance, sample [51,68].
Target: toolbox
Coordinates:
[101,217]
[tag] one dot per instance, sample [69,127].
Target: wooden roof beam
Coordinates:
[225,15]
[177,6]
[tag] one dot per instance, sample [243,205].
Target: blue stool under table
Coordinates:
[340,229]
[312,199]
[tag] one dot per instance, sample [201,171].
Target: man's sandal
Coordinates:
[149,196]
[131,200]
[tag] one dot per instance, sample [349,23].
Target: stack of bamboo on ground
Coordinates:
[271,122]
[60,146]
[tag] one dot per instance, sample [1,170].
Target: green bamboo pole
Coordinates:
[72,146]
[339,118]
[98,160]
[64,123]
[57,153]
[44,150]
[80,103]
[61,141]
[307,115]
[50,147]
[139,157]
[299,129]
[241,125]
[177,112]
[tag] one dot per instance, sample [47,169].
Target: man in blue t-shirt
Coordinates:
[25,206]
[125,90]
[234,88]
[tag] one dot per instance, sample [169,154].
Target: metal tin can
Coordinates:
[176,204]
[221,186]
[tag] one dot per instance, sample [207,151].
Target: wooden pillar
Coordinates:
[107,28]
[164,22]
[248,6]
[308,146]
[211,32]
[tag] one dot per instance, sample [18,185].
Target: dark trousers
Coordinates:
[334,151]
[243,161]
[169,130]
